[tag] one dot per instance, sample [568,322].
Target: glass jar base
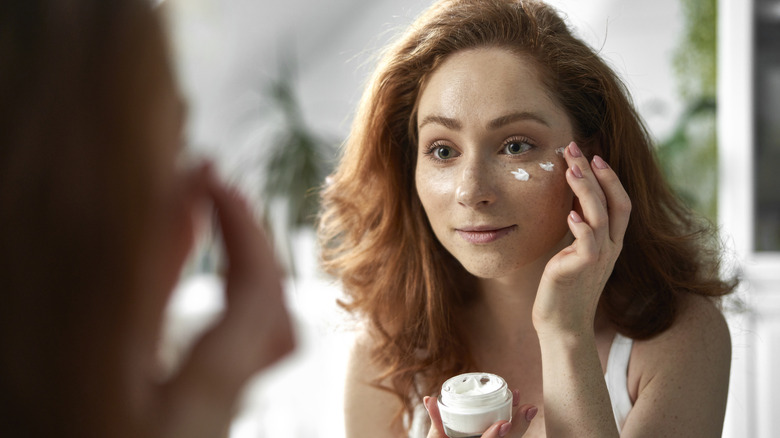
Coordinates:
[455,434]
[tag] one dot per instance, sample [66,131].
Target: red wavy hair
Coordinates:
[375,235]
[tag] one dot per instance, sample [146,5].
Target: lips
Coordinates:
[483,235]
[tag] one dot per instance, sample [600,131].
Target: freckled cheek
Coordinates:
[543,192]
[557,191]
[435,187]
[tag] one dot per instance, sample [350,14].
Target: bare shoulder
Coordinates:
[682,374]
[368,410]
[698,335]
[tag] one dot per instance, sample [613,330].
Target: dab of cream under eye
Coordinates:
[521,174]
[548,166]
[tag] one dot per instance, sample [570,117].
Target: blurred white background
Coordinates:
[228,51]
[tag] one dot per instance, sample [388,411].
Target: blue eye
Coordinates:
[516,147]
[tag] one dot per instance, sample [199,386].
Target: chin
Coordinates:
[489,266]
[508,260]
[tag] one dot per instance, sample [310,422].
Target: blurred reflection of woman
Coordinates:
[95,224]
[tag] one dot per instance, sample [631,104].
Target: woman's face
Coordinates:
[178,194]
[488,174]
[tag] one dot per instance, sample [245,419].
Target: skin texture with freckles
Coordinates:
[473,107]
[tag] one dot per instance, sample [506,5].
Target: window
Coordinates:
[766,230]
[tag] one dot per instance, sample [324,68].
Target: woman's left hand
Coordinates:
[574,278]
[521,419]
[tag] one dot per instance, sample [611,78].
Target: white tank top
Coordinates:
[617,386]
[617,377]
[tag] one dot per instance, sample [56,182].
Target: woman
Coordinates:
[97,218]
[498,209]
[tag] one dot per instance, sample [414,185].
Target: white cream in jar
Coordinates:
[470,403]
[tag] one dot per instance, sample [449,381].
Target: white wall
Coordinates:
[228,48]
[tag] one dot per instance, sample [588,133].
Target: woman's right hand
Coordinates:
[521,419]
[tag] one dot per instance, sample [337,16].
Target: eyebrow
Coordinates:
[496,123]
[514,117]
[447,122]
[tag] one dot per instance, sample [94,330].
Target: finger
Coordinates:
[587,247]
[499,429]
[521,420]
[437,429]
[586,188]
[255,314]
[245,244]
[618,202]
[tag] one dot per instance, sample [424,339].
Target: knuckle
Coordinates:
[621,204]
[624,203]
[600,222]
[590,257]
[603,200]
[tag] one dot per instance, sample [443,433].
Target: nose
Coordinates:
[476,188]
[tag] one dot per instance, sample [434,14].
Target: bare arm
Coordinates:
[683,376]
[576,400]
[680,377]
[368,411]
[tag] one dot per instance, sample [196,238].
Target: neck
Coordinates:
[503,307]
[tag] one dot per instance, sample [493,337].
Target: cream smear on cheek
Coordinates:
[521,174]
[547,166]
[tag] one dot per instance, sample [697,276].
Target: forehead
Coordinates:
[484,83]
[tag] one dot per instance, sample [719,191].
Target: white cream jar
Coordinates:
[470,403]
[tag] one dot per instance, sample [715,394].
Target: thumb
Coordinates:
[437,429]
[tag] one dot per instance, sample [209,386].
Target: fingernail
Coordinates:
[576,218]
[504,429]
[531,413]
[600,163]
[574,150]
[425,403]
[575,170]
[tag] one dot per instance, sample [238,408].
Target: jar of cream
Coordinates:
[470,403]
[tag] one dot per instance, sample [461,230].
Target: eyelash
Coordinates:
[518,139]
[430,152]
